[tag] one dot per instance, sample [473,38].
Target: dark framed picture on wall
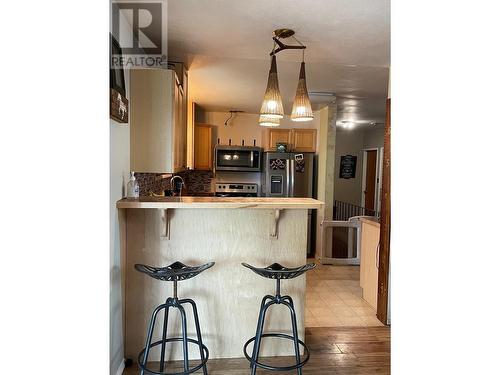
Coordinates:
[118,106]
[347,166]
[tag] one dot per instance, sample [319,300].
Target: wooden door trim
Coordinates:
[385,223]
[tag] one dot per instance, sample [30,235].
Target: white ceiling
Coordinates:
[226,45]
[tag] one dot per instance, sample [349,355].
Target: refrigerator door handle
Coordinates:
[287,171]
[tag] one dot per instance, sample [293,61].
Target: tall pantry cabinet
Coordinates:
[158,121]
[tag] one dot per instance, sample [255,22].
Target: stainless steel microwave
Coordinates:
[238,158]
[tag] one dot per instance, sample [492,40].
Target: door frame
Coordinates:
[385,226]
[380,175]
[378,165]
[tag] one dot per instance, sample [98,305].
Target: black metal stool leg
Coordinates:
[150,335]
[164,337]
[258,335]
[289,302]
[198,330]
[184,337]
[264,300]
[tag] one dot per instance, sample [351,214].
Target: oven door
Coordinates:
[237,160]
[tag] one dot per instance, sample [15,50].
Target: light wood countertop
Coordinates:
[220,202]
[373,221]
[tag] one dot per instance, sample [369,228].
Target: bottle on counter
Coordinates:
[132,187]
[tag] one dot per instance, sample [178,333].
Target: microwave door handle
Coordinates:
[292,177]
[251,159]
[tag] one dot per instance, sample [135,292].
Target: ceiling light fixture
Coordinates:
[301,110]
[272,106]
[347,124]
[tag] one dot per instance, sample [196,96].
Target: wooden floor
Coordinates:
[336,350]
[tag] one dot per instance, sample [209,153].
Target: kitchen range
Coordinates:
[235,190]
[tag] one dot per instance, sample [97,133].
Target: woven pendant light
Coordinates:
[272,105]
[301,110]
[269,121]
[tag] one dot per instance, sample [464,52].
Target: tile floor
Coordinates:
[334,299]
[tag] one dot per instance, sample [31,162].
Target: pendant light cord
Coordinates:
[304,50]
[294,38]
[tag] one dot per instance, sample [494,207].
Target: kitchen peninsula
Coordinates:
[260,231]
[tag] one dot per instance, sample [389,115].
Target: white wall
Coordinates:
[119,172]
[373,138]
[349,143]
[353,142]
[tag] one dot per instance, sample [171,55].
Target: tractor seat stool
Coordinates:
[175,272]
[278,272]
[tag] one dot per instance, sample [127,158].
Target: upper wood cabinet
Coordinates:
[203,146]
[158,121]
[279,136]
[304,140]
[299,140]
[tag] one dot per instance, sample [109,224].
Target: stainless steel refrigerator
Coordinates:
[291,175]
[288,174]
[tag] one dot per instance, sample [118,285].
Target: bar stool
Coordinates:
[278,272]
[175,272]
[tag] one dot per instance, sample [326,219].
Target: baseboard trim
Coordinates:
[121,368]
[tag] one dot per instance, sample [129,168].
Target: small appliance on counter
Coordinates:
[231,189]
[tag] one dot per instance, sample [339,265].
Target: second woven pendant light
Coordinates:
[301,110]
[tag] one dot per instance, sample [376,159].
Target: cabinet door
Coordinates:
[304,140]
[177,131]
[203,150]
[370,236]
[151,120]
[184,128]
[278,136]
[180,136]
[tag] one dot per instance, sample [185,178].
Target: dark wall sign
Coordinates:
[347,166]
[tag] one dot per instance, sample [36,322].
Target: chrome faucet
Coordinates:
[172,184]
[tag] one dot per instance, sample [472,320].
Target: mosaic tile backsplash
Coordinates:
[197,182]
